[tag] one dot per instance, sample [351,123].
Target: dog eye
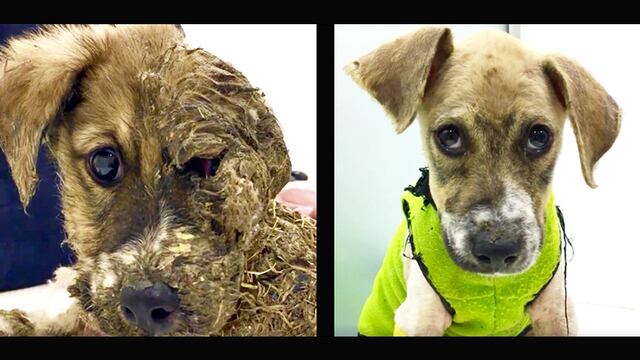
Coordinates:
[105,166]
[539,139]
[204,167]
[449,139]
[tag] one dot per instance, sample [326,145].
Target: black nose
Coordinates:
[498,253]
[150,306]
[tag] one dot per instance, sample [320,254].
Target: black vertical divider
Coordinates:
[325,194]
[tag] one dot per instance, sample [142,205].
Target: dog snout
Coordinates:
[150,306]
[497,253]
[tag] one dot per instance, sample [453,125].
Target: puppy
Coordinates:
[491,114]
[169,161]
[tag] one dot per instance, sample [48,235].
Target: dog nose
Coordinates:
[150,306]
[498,253]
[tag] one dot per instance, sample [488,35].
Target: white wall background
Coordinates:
[280,60]
[602,222]
[372,167]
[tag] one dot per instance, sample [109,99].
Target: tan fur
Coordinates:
[492,87]
[491,75]
[48,62]
[595,116]
[396,74]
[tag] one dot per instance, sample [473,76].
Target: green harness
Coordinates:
[480,305]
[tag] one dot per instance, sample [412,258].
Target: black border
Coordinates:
[325,131]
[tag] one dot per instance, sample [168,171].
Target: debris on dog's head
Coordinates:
[169,161]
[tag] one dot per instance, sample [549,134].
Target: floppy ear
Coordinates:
[397,73]
[37,73]
[595,116]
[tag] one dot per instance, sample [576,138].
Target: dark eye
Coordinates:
[449,139]
[538,139]
[105,166]
[204,167]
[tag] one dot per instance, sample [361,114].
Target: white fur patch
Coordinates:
[94,283]
[109,279]
[154,236]
[484,215]
[516,203]
[422,312]
[456,228]
[160,233]
[47,306]
[127,257]
[106,274]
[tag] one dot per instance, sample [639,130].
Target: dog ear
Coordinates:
[595,116]
[397,73]
[37,73]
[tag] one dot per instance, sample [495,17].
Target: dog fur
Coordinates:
[139,89]
[494,88]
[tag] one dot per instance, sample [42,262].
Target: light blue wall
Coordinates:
[372,167]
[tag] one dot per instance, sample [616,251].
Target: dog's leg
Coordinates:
[422,312]
[49,309]
[548,317]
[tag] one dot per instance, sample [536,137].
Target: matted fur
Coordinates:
[241,264]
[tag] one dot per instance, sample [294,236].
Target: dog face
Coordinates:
[167,157]
[491,114]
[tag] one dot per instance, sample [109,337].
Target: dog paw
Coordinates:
[15,323]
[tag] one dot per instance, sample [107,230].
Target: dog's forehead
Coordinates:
[160,102]
[498,76]
[164,91]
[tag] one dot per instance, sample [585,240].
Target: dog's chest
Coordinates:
[479,304]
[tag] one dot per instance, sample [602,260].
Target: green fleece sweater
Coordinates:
[482,305]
